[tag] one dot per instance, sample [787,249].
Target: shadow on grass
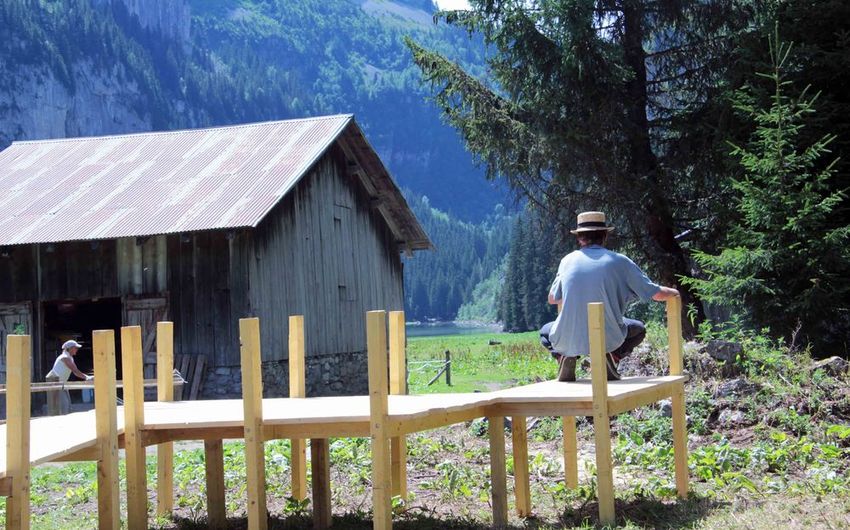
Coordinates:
[643,513]
[648,513]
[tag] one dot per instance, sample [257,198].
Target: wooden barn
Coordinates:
[203,227]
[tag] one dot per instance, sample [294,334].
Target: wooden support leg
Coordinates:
[106,414]
[320,457]
[376,339]
[570,452]
[601,427]
[252,402]
[680,429]
[214,463]
[299,469]
[398,452]
[132,365]
[498,476]
[18,377]
[522,486]
[165,392]
[398,386]
[680,441]
[297,389]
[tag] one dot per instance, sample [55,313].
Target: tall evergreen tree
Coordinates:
[604,104]
[786,260]
[535,251]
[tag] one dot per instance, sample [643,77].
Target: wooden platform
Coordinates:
[60,437]
[385,415]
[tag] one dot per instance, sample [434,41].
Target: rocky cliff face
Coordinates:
[99,102]
[93,97]
[170,18]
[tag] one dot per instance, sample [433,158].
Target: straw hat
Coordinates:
[591,222]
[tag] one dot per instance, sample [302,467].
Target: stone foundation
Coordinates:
[339,374]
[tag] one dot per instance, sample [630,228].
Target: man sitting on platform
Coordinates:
[595,274]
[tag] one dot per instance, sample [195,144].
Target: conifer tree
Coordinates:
[603,103]
[785,262]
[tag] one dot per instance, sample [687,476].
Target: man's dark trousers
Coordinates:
[634,336]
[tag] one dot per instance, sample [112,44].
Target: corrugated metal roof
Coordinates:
[158,183]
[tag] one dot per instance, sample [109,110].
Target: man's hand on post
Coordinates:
[665,294]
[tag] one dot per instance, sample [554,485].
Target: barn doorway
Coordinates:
[76,320]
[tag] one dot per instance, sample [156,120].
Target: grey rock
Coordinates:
[834,366]
[736,387]
[724,350]
[730,417]
[666,408]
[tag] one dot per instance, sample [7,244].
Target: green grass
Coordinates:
[478,365]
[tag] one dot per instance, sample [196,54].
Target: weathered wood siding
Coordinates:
[325,253]
[208,292]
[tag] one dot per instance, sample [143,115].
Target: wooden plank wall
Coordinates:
[208,290]
[325,253]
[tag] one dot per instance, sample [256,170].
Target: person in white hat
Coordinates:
[59,401]
[595,274]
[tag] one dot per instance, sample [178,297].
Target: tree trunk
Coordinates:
[659,240]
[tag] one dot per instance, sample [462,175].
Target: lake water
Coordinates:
[447,328]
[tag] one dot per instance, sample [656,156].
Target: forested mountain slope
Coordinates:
[89,67]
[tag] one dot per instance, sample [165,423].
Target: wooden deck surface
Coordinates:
[53,438]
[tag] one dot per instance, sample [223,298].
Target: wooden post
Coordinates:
[132,365]
[570,452]
[298,389]
[165,392]
[106,414]
[448,362]
[320,457]
[601,427]
[252,402]
[522,485]
[376,340]
[674,334]
[498,475]
[680,429]
[214,465]
[18,377]
[398,386]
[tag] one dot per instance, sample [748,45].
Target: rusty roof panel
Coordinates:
[155,183]
[179,181]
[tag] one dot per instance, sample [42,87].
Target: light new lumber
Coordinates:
[298,389]
[165,392]
[320,465]
[134,418]
[323,417]
[680,441]
[18,354]
[106,426]
[5,486]
[214,470]
[522,484]
[498,471]
[376,344]
[680,427]
[570,452]
[85,385]
[674,334]
[252,402]
[601,418]
[398,386]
